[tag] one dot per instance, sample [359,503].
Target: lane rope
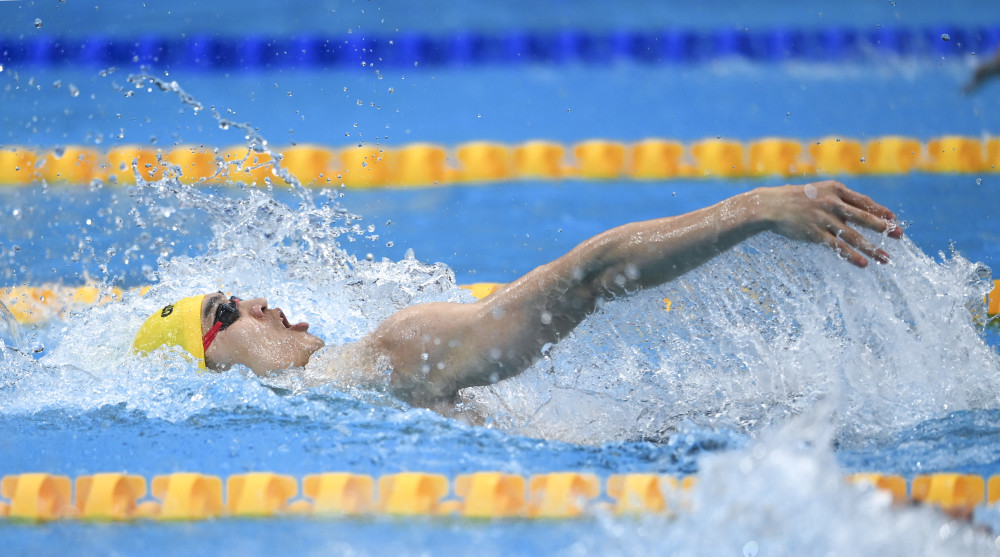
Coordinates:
[427,164]
[361,51]
[42,497]
[38,305]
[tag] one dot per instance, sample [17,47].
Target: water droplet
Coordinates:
[979,181]
[945,37]
[38,23]
[73,91]
[810,191]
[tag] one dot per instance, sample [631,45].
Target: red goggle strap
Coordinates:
[210,335]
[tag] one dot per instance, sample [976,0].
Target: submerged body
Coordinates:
[427,353]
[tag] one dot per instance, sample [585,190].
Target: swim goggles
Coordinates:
[225,315]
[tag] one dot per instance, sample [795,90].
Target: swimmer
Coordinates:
[429,352]
[983,73]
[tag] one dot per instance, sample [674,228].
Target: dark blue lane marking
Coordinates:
[515,47]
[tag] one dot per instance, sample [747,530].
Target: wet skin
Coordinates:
[434,350]
[261,338]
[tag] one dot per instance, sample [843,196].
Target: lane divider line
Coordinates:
[427,164]
[469,48]
[114,496]
[37,305]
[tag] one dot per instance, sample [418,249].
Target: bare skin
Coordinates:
[434,350]
[261,339]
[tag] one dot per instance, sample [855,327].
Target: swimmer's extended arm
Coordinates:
[434,350]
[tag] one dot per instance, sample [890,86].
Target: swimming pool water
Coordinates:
[541,221]
[83,405]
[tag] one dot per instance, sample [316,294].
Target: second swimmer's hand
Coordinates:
[826,213]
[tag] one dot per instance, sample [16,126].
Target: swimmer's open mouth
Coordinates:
[303,326]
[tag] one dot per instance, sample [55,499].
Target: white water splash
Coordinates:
[785,495]
[759,335]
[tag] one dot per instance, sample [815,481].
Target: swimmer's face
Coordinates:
[260,338]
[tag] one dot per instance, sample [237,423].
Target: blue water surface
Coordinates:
[484,232]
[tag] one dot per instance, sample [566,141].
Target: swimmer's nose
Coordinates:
[254,307]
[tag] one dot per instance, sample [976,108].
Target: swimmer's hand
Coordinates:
[826,213]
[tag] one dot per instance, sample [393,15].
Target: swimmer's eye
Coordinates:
[227,314]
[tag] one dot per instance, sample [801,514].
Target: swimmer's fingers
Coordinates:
[862,210]
[845,251]
[828,213]
[848,242]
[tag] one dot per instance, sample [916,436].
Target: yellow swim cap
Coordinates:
[178,324]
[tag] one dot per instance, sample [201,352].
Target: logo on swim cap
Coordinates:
[177,324]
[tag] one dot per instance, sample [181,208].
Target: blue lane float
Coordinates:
[465,48]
